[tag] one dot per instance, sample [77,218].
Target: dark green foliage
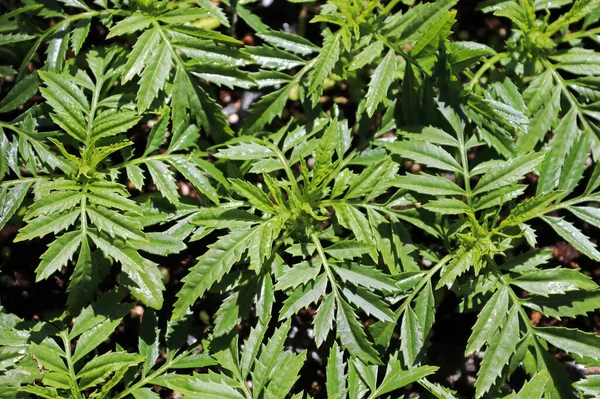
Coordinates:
[318,210]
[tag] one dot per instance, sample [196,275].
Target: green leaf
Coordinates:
[214,10]
[571,340]
[578,61]
[303,296]
[429,184]
[447,206]
[464,258]
[195,360]
[335,372]
[164,180]
[374,180]
[508,173]
[438,32]
[554,281]
[115,224]
[426,153]
[323,323]
[564,136]
[93,337]
[202,33]
[133,23]
[20,93]
[352,336]
[411,337]
[157,133]
[570,304]
[325,61]
[534,388]
[266,361]
[288,41]
[366,276]
[110,200]
[589,386]
[80,33]
[211,267]
[198,385]
[281,383]
[501,347]
[266,109]
[366,56]
[11,199]
[144,393]
[348,249]
[575,164]
[142,51]
[154,76]
[380,82]
[396,378]
[368,302]
[142,277]
[43,225]
[83,281]
[148,343]
[96,371]
[489,320]
[59,253]
[530,208]
[573,236]
[463,54]
[256,196]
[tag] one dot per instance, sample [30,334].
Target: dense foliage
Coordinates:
[427,181]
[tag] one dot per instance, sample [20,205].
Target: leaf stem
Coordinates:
[321,252]
[487,65]
[72,375]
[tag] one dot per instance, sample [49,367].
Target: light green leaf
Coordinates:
[564,137]
[380,82]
